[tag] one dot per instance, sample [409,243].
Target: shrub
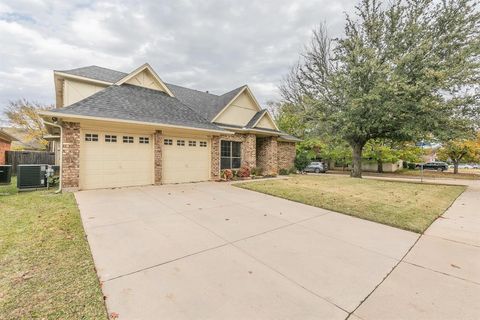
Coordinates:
[293,170]
[243,172]
[301,161]
[284,172]
[411,166]
[227,174]
[405,164]
[255,171]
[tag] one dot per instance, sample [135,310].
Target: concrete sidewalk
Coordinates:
[440,277]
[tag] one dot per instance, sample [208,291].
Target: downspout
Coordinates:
[61,152]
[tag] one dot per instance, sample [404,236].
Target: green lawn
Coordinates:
[464,174]
[46,268]
[405,205]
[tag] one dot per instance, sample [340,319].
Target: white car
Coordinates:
[316,167]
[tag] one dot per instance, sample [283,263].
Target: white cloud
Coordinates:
[208,45]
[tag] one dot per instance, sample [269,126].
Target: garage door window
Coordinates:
[110,138]
[180,142]
[203,144]
[192,143]
[144,140]
[127,139]
[230,155]
[167,142]
[91,137]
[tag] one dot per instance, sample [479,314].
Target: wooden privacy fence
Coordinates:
[15,158]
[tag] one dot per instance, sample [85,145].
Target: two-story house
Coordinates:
[121,129]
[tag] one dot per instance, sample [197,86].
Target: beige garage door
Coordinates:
[115,159]
[185,160]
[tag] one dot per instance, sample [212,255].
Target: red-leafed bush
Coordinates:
[243,172]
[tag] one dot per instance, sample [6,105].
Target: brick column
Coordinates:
[249,151]
[158,143]
[286,154]
[71,156]
[267,155]
[215,158]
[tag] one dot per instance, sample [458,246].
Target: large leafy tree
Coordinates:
[403,71]
[387,151]
[460,150]
[24,115]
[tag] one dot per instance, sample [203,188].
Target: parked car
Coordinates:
[465,166]
[434,165]
[316,167]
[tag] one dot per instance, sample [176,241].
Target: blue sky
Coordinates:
[206,45]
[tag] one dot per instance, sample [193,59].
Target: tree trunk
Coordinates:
[455,167]
[357,160]
[380,166]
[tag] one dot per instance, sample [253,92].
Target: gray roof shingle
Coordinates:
[189,107]
[129,102]
[97,73]
[206,104]
[255,118]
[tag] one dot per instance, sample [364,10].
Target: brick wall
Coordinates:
[286,155]
[71,156]
[267,155]
[4,146]
[215,158]
[158,140]
[249,153]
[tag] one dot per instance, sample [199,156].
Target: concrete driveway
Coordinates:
[214,251]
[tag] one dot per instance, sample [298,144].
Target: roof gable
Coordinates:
[241,97]
[264,121]
[146,77]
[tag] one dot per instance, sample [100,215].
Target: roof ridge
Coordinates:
[241,87]
[157,91]
[200,91]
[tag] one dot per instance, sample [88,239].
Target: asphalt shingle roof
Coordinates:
[97,73]
[129,102]
[206,104]
[255,118]
[189,107]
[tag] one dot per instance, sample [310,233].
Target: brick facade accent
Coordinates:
[4,146]
[267,155]
[286,154]
[262,152]
[248,141]
[158,140]
[215,158]
[249,151]
[71,156]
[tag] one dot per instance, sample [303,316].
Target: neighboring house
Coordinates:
[122,129]
[23,141]
[6,140]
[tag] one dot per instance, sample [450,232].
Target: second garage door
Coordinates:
[115,159]
[185,160]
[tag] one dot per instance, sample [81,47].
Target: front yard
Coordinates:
[405,205]
[46,268]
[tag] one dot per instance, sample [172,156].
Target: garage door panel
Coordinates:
[115,164]
[185,163]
